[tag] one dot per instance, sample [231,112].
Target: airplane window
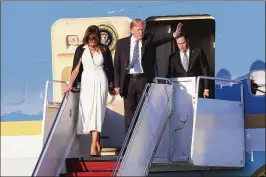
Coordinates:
[257,82]
[15,87]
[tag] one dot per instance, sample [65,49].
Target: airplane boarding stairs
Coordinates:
[171,127]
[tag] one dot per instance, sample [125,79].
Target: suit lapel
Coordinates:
[127,51]
[191,57]
[143,47]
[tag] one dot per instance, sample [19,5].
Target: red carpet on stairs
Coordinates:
[100,173]
[92,166]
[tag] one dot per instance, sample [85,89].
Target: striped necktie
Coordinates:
[135,57]
[185,61]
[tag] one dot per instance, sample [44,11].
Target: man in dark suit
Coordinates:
[189,61]
[134,61]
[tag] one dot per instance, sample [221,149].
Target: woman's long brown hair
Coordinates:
[93,33]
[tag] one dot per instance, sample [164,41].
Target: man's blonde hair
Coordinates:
[135,21]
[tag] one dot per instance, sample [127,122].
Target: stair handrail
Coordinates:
[47,142]
[157,80]
[219,79]
[132,124]
[46,102]
[167,82]
[51,132]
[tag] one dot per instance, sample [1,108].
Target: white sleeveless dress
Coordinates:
[93,93]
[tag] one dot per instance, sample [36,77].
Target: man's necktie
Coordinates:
[135,57]
[185,61]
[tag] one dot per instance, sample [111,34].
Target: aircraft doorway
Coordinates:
[201,33]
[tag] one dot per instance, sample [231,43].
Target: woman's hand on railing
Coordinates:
[69,88]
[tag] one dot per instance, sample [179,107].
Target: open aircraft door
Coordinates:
[202,132]
[218,131]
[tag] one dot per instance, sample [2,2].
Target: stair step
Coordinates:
[100,173]
[90,166]
[110,151]
[54,104]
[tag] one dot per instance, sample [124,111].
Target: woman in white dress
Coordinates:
[93,67]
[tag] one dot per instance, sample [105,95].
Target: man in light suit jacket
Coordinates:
[134,61]
[189,61]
